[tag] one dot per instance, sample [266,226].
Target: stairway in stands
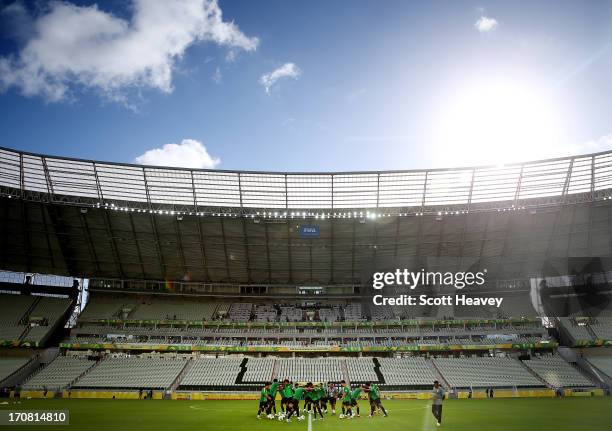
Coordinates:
[243,370]
[437,374]
[379,374]
[25,318]
[533,373]
[188,364]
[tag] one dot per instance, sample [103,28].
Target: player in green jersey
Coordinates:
[374,396]
[286,392]
[264,401]
[293,406]
[347,410]
[272,392]
[315,397]
[355,398]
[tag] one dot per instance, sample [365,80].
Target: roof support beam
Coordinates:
[268,253]
[90,243]
[46,226]
[224,239]
[199,226]
[134,235]
[244,228]
[162,264]
[179,244]
[111,236]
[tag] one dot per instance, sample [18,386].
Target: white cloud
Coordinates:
[217,77]
[188,154]
[603,143]
[486,24]
[83,45]
[287,70]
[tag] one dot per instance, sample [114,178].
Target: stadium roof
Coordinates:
[104,220]
[92,182]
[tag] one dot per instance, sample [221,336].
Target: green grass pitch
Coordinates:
[459,415]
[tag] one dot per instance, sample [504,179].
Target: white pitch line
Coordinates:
[309,422]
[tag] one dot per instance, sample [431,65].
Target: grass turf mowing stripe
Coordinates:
[404,415]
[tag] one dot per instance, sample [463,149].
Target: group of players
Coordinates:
[316,399]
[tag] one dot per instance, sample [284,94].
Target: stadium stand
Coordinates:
[291,314]
[59,374]
[352,312]
[485,372]
[240,311]
[50,310]
[361,370]
[406,372]
[556,372]
[310,369]
[602,363]
[329,314]
[107,307]
[9,366]
[13,309]
[258,370]
[212,373]
[133,372]
[173,309]
[602,328]
[576,331]
[265,313]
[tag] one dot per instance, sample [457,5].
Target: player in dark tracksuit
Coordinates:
[331,395]
[438,396]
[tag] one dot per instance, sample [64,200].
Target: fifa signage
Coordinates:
[310,231]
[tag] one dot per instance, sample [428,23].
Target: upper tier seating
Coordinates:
[577,332]
[265,313]
[290,314]
[602,327]
[50,309]
[485,372]
[240,311]
[352,312]
[12,309]
[603,363]
[173,309]
[556,372]
[106,307]
[9,365]
[329,314]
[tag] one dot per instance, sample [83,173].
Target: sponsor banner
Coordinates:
[593,343]
[377,324]
[17,343]
[310,231]
[254,349]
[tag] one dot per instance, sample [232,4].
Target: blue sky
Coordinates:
[370,85]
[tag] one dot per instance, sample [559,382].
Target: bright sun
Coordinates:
[495,123]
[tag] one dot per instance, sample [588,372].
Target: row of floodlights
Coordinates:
[295,214]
